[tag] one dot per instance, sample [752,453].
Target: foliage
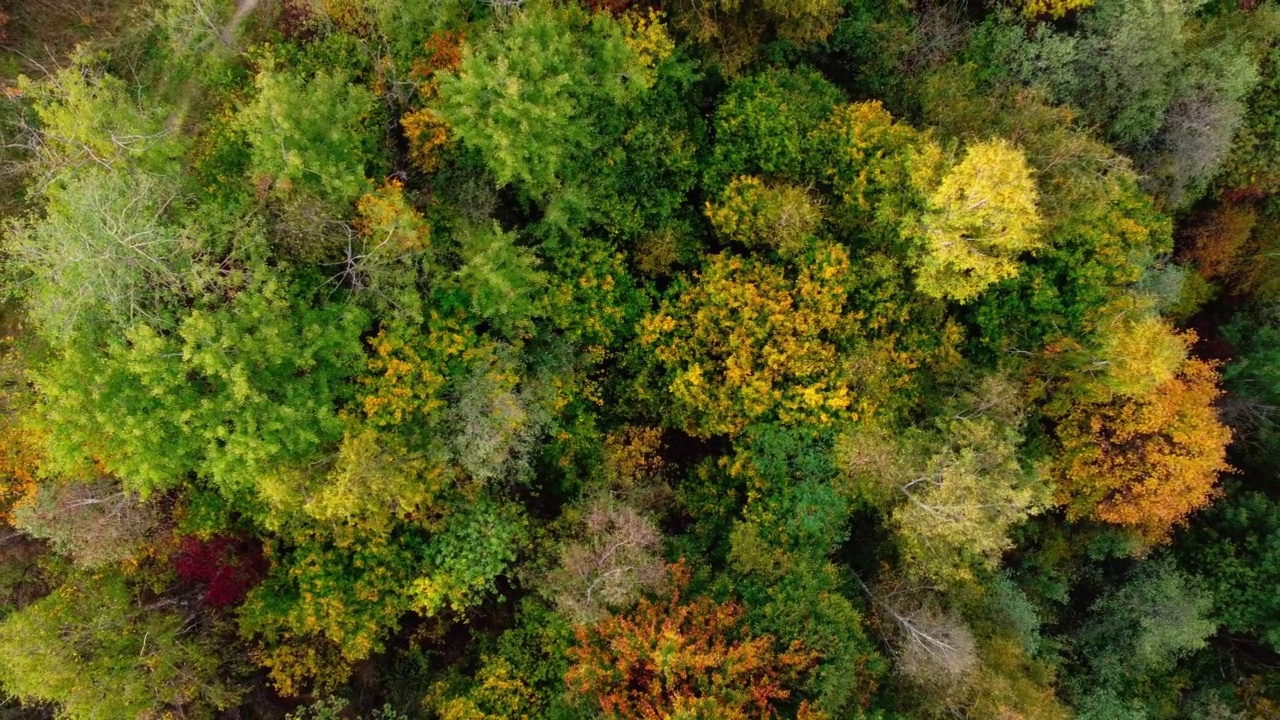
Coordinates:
[1145,462]
[383,354]
[92,649]
[871,162]
[90,117]
[306,134]
[104,235]
[732,29]
[1159,615]
[764,125]
[524,94]
[500,278]
[1239,557]
[234,392]
[390,237]
[330,603]
[681,658]
[979,219]
[1252,166]
[1219,243]
[95,523]
[615,561]
[784,218]
[744,342]
[1053,8]
[953,494]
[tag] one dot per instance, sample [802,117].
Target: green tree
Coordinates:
[781,559]
[1135,632]
[953,493]
[104,254]
[1237,552]
[334,596]
[94,650]
[527,93]
[235,395]
[309,134]
[763,126]
[90,117]
[1253,165]
[501,279]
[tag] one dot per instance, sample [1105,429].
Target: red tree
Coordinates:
[227,567]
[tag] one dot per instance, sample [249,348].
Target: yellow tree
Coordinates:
[1054,9]
[1145,462]
[981,217]
[1138,353]
[748,341]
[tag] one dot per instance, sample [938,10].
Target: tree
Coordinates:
[93,650]
[732,29]
[763,126]
[674,659]
[934,648]
[1054,9]
[871,163]
[1237,553]
[496,423]
[1144,462]
[236,395]
[781,558]
[526,95]
[376,481]
[615,558]
[979,220]
[783,218]
[391,239]
[1202,119]
[90,117]
[746,341]
[501,278]
[425,130]
[94,522]
[1129,56]
[955,493]
[1253,166]
[1136,353]
[1218,241]
[104,255]
[332,598]
[1137,631]
[307,134]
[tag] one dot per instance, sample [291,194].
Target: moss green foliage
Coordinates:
[796,359]
[306,134]
[92,648]
[526,94]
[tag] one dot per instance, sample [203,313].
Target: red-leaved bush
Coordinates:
[227,567]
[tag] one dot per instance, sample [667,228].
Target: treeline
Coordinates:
[735,359]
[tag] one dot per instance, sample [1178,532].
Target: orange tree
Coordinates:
[1145,462]
[683,660]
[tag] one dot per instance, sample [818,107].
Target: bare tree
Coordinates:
[932,648]
[617,558]
[94,522]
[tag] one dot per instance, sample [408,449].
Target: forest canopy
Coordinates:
[640,359]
